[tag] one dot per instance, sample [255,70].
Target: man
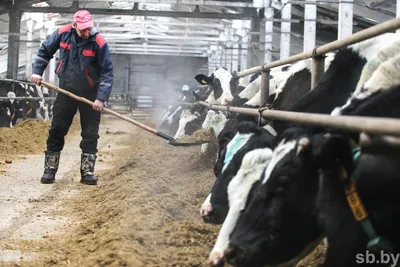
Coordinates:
[85,69]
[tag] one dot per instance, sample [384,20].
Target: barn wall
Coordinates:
[153,75]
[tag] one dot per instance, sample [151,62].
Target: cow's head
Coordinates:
[280,224]
[201,94]
[248,138]
[191,120]
[220,83]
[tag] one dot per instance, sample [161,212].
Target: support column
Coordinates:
[254,42]
[221,57]
[345,24]
[43,31]
[262,44]
[310,16]
[235,57]
[52,69]
[210,60]
[229,47]
[13,43]
[268,31]
[285,31]
[244,52]
[397,12]
[28,61]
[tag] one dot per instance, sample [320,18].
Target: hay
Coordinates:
[201,135]
[315,258]
[144,212]
[27,137]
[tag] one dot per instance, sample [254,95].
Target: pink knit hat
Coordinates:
[83,19]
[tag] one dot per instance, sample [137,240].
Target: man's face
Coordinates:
[84,33]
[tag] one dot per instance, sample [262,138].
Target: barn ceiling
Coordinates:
[188,33]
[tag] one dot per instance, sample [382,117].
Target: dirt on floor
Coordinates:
[27,137]
[144,212]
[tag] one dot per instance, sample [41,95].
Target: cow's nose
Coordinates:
[216,261]
[206,210]
[233,254]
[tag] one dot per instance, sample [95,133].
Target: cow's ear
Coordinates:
[235,75]
[303,145]
[203,79]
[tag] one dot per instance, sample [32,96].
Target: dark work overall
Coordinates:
[65,108]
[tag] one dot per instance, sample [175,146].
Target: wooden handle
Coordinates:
[82,99]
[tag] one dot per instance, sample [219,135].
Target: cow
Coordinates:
[171,119]
[308,169]
[6,111]
[221,82]
[191,120]
[249,137]
[329,83]
[248,91]
[25,108]
[304,170]
[215,207]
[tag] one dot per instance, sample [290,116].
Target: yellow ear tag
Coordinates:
[203,81]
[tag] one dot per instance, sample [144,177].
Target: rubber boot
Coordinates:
[51,162]
[87,169]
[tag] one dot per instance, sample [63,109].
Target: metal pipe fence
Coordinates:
[26,98]
[370,125]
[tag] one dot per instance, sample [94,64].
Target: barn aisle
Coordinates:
[144,212]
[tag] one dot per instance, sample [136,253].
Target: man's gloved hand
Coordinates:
[98,105]
[35,78]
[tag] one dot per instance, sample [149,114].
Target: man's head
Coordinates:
[83,23]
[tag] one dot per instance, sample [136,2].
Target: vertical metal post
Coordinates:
[13,43]
[310,16]
[221,55]
[255,42]
[345,26]
[28,60]
[239,59]
[209,63]
[397,12]
[244,45]
[268,30]
[235,57]
[262,44]
[264,86]
[317,69]
[285,31]
[52,69]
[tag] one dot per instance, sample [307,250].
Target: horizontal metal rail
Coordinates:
[387,26]
[27,98]
[370,125]
[380,144]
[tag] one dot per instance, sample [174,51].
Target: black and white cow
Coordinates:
[221,81]
[248,138]
[339,64]
[215,207]
[289,189]
[304,183]
[6,112]
[170,121]
[25,108]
